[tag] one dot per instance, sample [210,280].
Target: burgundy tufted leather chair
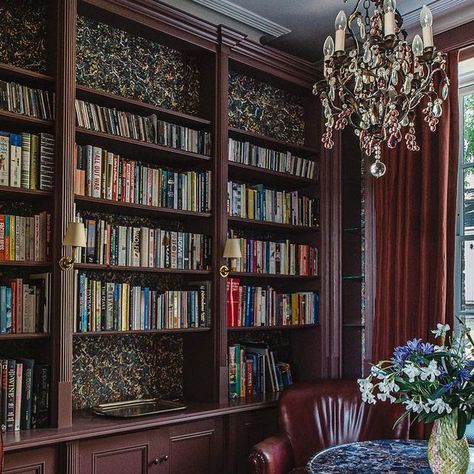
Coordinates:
[315,416]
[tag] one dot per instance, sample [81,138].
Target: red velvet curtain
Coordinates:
[415,231]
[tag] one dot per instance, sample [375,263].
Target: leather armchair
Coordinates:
[316,416]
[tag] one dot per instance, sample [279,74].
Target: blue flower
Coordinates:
[464,375]
[414,344]
[426,348]
[400,355]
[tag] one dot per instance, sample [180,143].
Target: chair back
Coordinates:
[331,412]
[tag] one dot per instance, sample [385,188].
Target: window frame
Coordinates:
[464,90]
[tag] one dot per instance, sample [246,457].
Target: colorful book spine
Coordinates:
[114,306]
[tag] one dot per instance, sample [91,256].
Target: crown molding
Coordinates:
[247,17]
[447,14]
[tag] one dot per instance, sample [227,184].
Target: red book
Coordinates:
[228,296]
[232,298]
[132,181]
[14,308]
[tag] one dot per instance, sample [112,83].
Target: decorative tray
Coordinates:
[134,408]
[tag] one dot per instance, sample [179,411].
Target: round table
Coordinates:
[369,457]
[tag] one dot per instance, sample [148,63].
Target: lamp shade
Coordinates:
[232,249]
[75,235]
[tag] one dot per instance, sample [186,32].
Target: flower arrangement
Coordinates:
[431,381]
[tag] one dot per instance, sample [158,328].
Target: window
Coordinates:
[465,225]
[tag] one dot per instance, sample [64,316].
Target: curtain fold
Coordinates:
[415,205]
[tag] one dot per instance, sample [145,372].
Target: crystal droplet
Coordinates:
[437,110]
[358,83]
[377,169]
[330,121]
[445,91]
[394,77]
[332,92]
[404,122]
[367,55]
[406,86]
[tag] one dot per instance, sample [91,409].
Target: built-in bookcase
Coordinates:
[208,79]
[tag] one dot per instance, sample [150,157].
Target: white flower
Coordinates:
[439,406]
[386,395]
[411,371]
[441,330]
[431,372]
[376,371]
[386,387]
[416,407]
[368,397]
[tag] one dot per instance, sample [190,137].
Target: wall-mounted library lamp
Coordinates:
[75,237]
[231,251]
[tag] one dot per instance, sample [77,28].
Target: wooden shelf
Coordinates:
[254,223]
[274,328]
[41,335]
[23,193]
[25,120]
[24,263]
[13,73]
[141,332]
[159,153]
[120,268]
[140,209]
[273,276]
[136,106]
[256,175]
[273,143]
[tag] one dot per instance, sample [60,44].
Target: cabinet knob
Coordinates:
[161,459]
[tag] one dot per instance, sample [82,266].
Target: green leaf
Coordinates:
[462,420]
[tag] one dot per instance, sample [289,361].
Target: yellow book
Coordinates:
[251,204]
[12,237]
[294,309]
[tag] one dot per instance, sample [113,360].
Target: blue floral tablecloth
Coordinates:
[371,457]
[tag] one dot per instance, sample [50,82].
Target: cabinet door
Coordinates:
[34,461]
[196,448]
[125,454]
[246,430]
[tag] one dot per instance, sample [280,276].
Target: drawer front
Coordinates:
[34,461]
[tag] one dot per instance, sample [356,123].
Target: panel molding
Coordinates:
[247,17]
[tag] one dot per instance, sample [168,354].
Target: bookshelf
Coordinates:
[195,358]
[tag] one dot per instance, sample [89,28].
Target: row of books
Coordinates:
[25,238]
[148,129]
[284,162]
[112,306]
[253,370]
[253,306]
[27,160]
[25,305]
[26,100]
[102,174]
[260,203]
[24,394]
[283,258]
[111,244]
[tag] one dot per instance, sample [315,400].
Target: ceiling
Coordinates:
[309,21]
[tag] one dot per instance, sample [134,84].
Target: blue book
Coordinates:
[247,306]
[316,307]
[3,309]
[117,307]
[8,310]
[82,303]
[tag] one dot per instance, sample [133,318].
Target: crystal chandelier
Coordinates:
[376,84]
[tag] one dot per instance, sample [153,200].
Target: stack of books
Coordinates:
[25,305]
[102,174]
[26,100]
[255,306]
[112,244]
[25,238]
[282,161]
[148,129]
[27,160]
[257,202]
[112,306]
[282,258]
[253,370]
[24,394]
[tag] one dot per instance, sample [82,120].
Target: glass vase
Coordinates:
[447,454]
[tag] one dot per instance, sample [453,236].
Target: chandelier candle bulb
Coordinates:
[417,46]
[389,8]
[341,25]
[426,20]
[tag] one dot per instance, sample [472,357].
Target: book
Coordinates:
[4,158]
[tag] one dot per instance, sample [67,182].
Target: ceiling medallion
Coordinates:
[376,84]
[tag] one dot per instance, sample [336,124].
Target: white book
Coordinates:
[15,160]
